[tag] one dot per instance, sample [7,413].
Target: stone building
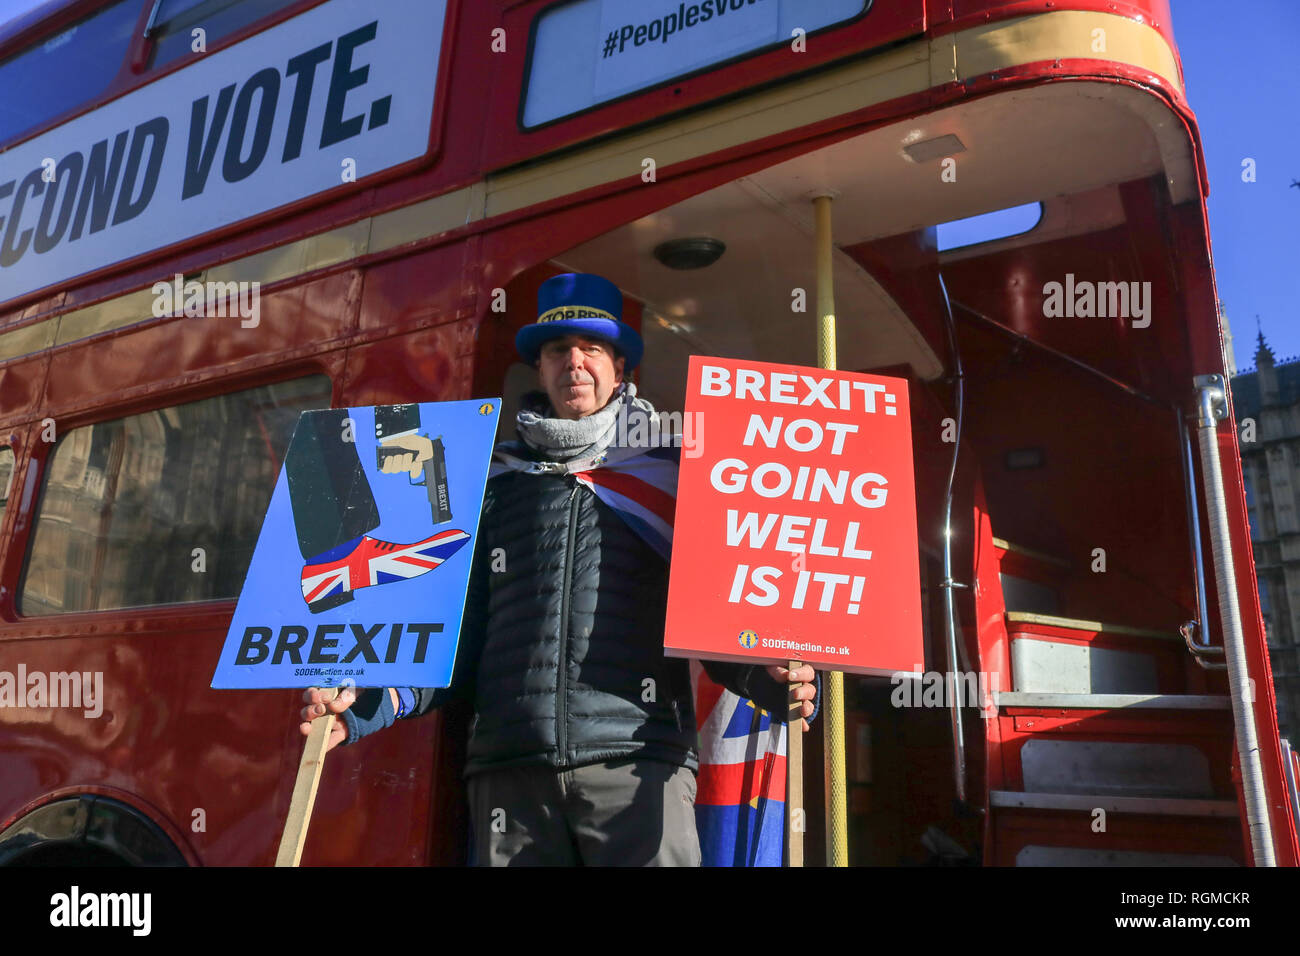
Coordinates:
[1267,405]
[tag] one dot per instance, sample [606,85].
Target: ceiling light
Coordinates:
[937,148]
[694,253]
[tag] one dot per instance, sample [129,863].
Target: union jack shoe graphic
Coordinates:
[332,577]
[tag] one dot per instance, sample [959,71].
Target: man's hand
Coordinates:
[803,676]
[316,704]
[417,448]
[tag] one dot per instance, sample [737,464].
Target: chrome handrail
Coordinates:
[1288,770]
[949,599]
[1194,631]
[1199,651]
[1212,406]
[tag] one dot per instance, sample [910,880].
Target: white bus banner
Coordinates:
[591,51]
[334,95]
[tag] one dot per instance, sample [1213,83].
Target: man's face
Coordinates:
[579,374]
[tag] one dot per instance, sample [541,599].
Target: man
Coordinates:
[582,747]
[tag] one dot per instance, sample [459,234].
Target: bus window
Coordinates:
[988,227]
[67,70]
[175,21]
[162,507]
[584,53]
[6,478]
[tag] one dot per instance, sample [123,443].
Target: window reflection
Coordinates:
[66,70]
[177,19]
[126,504]
[6,478]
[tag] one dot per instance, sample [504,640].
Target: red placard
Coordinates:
[795,534]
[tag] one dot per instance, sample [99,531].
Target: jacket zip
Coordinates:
[672,696]
[561,675]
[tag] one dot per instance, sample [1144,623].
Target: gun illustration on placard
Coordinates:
[397,437]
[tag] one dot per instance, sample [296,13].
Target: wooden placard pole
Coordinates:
[794,816]
[304,787]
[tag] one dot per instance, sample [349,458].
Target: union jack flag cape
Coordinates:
[740,800]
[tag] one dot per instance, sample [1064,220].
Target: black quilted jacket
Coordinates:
[561,641]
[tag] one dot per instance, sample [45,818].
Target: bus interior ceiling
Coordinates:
[1048,431]
[1072,146]
[1051,438]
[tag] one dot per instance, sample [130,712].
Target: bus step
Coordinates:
[1031,580]
[1019,559]
[1045,702]
[1090,802]
[1149,746]
[1065,655]
[1037,855]
[1032,828]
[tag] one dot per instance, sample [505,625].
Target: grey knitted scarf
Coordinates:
[571,446]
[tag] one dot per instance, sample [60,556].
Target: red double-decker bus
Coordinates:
[215,214]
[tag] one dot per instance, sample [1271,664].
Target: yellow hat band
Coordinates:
[574,312]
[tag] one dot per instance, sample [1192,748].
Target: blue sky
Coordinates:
[11,8]
[1243,81]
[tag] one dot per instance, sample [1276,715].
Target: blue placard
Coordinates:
[360,571]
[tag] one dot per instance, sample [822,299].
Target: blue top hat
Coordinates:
[578,303]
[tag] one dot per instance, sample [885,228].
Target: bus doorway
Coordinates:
[1066,589]
[730,272]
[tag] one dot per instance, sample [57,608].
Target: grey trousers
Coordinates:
[626,812]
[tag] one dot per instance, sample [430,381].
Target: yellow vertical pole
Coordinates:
[837,816]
